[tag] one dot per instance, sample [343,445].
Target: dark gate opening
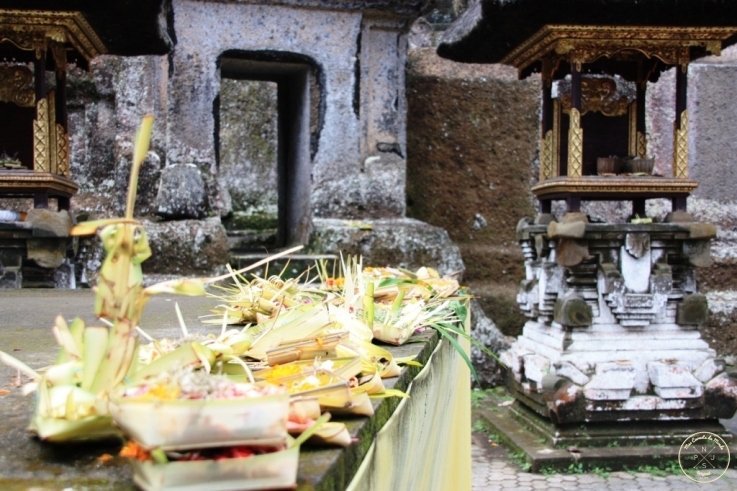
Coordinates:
[277,127]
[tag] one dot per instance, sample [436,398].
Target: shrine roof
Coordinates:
[490,29]
[126,27]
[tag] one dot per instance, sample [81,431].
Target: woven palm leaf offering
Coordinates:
[72,394]
[190,429]
[189,408]
[191,426]
[212,463]
[314,337]
[291,327]
[102,382]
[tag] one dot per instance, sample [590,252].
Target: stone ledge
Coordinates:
[26,463]
[400,242]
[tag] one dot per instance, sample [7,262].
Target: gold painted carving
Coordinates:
[641,144]
[33,30]
[16,85]
[620,186]
[50,141]
[62,151]
[598,94]
[680,148]
[587,43]
[33,181]
[41,137]
[51,130]
[575,144]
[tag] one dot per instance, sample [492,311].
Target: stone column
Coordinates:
[190,159]
[383,109]
[140,85]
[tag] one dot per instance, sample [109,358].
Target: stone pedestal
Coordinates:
[613,323]
[35,253]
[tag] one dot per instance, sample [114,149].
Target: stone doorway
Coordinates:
[266,120]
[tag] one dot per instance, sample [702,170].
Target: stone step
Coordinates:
[291,266]
[545,446]
[251,239]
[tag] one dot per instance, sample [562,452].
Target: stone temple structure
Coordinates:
[613,308]
[321,79]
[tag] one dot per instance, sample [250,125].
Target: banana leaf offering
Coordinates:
[193,409]
[232,468]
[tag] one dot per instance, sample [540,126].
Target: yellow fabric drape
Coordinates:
[426,443]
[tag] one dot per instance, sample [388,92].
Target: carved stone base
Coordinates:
[613,330]
[604,445]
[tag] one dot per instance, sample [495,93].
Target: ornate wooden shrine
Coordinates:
[595,118]
[595,60]
[34,139]
[38,39]
[613,309]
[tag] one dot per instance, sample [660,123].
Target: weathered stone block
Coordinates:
[571,372]
[720,396]
[707,370]
[181,193]
[402,242]
[47,253]
[673,381]
[693,309]
[712,119]
[536,367]
[48,223]
[11,278]
[612,381]
[573,311]
[186,247]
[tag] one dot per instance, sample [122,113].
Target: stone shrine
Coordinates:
[613,309]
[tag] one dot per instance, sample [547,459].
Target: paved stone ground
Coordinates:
[495,469]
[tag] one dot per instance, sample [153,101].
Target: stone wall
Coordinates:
[472,153]
[472,149]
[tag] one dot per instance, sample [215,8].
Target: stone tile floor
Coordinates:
[495,469]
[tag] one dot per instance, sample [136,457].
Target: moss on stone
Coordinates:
[255,221]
